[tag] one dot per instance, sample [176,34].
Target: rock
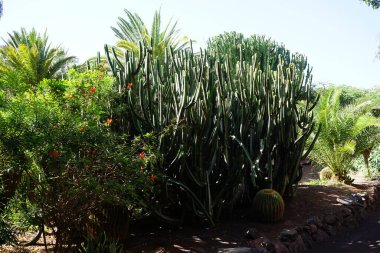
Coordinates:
[358,200]
[376,191]
[346,212]
[365,195]
[313,228]
[339,227]
[251,233]
[307,239]
[355,209]
[320,236]
[310,229]
[371,200]
[288,235]
[240,250]
[330,219]
[193,249]
[296,246]
[362,213]
[350,222]
[314,220]
[339,216]
[330,230]
[280,248]
[345,201]
[307,229]
[262,243]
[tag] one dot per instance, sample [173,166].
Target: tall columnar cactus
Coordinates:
[236,47]
[228,127]
[285,80]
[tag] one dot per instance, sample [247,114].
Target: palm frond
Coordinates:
[345,132]
[32,56]
[133,31]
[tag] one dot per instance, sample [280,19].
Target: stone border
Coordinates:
[315,229]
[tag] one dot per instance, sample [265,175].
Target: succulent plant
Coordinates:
[269,206]
[326,174]
[228,126]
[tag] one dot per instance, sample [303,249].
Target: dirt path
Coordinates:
[364,239]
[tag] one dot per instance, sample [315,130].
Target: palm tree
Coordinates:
[346,132]
[32,57]
[133,31]
[373,3]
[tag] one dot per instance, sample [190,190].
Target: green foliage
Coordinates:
[100,245]
[323,182]
[374,159]
[269,206]
[30,56]
[133,31]
[228,128]
[345,133]
[373,3]
[59,139]
[7,234]
[372,171]
[352,95]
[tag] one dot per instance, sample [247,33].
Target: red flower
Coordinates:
[82,129]
[54,153]
[92,90]
[152,178]
[142,155]
[130,85]
[108,121]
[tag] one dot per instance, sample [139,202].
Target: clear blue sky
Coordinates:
[339,37]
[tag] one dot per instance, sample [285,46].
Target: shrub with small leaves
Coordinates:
[74,161]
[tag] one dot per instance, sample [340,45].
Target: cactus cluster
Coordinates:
[228,125]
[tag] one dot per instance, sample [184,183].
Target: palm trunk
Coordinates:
[366,153]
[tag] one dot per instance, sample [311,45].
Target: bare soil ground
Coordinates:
[311,200]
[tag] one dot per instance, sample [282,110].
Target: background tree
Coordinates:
[32,57]
[346,132]
[373,3]
[133,31]
[1,8]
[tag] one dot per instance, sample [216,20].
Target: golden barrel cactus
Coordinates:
[268,205]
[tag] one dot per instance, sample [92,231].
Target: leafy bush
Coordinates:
[374,159]
[74,163]
[7,234]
